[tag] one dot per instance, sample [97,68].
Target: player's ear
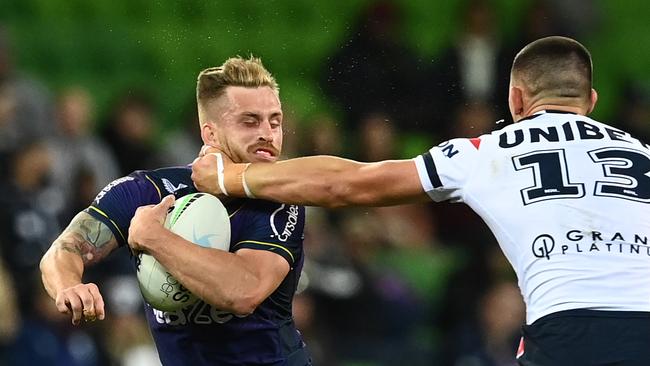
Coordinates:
[593,98]
[209,134]
[516,102]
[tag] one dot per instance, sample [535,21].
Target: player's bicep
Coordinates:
[268,267]
[86,237]
[390,182]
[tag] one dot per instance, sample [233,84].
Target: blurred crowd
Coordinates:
[412,285]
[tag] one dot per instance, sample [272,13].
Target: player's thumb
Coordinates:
[166,203]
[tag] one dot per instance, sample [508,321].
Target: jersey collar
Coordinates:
[544,111]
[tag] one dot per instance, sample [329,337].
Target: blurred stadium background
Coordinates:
[91,90]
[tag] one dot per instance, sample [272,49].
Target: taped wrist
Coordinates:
[247,190]
[220,174]
[231,180]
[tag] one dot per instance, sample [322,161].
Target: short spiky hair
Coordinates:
[556,67]
[236,71]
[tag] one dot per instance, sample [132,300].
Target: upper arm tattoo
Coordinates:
[87,237]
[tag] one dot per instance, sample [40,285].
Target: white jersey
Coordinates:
[566,198]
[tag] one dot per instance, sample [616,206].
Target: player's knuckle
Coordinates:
[76,306]
[84,295]
[86,300]
[204,163]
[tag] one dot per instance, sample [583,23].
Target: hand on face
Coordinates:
[205,169]
[207,149]
[146,227]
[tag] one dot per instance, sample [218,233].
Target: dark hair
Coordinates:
[556,67]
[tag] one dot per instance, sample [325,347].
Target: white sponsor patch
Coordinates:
[292,213]
[170,187]
[200,313]
[110,186]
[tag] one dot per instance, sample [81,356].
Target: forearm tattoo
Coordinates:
[88,238]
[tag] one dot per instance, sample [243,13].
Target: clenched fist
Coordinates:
[206,169]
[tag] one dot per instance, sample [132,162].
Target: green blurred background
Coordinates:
[160,46]
[114,47]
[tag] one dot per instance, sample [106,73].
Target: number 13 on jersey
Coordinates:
[626,175]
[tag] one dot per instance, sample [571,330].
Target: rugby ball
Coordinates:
[198,217]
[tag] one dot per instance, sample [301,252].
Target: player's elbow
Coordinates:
[238,303]
[43,265]
[244,308]
[245,305]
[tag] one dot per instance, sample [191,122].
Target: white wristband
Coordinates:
[247,190]
[220,177]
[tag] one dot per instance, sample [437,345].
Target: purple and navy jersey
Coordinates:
[201,334]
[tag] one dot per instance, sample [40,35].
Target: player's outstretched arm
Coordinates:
[86,240]
[327,181]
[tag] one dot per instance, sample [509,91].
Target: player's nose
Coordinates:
[265,132]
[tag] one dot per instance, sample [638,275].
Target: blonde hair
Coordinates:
[236,71]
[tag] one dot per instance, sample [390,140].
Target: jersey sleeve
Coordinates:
[445,169]
[276,228]
[116,204]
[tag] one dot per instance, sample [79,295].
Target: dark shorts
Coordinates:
[299,358]
[587,337]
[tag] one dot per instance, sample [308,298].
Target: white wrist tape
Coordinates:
[220,177]
[247,190]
